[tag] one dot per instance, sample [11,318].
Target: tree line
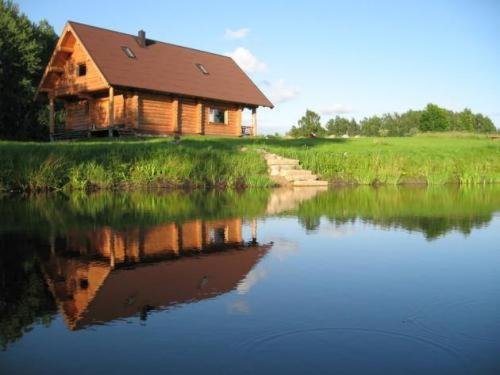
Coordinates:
[25,49]
[431,119]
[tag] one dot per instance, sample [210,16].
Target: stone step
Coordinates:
[296,172]
[310,183]
[285,171]
[271,162]
[302,177]
[278,170]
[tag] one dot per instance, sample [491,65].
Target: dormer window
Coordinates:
[82,70]
[128,52]
[202,69]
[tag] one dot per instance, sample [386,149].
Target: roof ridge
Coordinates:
[154,40]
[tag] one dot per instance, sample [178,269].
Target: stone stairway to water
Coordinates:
[288,172]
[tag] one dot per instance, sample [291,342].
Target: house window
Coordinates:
[128,52]
[82,70]
[202,69]
[217,236]
[217,116]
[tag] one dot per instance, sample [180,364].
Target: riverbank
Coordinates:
[205,162]
[130,164]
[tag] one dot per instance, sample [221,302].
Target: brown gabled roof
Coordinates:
[168,68]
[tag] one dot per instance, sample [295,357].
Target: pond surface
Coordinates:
[351,281]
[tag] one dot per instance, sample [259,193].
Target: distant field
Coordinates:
[220,162]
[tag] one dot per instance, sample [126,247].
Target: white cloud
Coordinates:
[279,91]
[283,248]
[336,231]
[337,109]
[236,34]
[238,307]
[247,61]
[252,278]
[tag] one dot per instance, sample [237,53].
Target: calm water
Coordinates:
[343,281]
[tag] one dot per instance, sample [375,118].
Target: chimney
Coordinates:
[141,38]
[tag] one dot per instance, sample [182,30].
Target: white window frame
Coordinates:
[211,116]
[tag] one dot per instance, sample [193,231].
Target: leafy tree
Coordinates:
[309,124]
[337,126]
[24,297]
[25,49]
[483,124]
[370,126]
[410,121]
[464,121]
[434,118]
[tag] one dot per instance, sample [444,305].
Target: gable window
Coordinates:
[202,69]
[82,70]
[217,116]
[130,54]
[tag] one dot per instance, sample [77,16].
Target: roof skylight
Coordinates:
[128,52]
[202,69]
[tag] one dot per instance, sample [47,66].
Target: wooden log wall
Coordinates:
[155,114]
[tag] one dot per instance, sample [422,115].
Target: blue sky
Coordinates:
[353,58]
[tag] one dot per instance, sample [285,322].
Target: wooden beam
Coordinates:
[238,122]
[85,96]
[111,111]
[112,255]
[254,230]
[65,49]
[254,121]
[52,115]
[175,115]
[56,69]
[138,102]
[199,117]
[90,104]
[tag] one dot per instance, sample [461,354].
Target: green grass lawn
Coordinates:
[215,161]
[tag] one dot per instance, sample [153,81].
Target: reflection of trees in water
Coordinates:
[434,227]
[433,211]
[24,297]
[122,209]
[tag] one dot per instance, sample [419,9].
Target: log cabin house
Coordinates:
[118,83]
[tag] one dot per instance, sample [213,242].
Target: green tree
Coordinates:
[370,126]
[337,126]
[25,49]
[434,118]
[464,121]
[409,122]
[483,124]
[309,124]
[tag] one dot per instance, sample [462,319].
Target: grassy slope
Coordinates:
[430,159]
[129,164]
[207,161]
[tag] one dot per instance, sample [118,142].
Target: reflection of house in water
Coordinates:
[107,274]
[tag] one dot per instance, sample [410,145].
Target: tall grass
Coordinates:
[131,164]
[220,162]
[433,160]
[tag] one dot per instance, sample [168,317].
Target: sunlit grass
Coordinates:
[432,160]
[130,164]
[220,162]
